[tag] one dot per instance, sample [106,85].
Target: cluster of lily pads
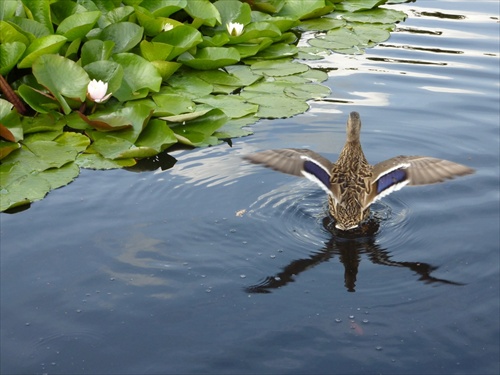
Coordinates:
[103,83]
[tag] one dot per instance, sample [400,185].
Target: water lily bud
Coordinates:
[96,91]
[235,28]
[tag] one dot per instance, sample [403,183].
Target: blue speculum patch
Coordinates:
[390,179]
[314,169]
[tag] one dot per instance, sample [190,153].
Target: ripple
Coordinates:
[297,208]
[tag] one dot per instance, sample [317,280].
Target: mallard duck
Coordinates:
[352,184]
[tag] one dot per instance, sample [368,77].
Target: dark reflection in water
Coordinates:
[441,15]
[349,246]
[406,61]
[433,50]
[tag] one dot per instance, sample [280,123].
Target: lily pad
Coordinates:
[232,105]
[97,161]
[41,46]
[31,172]
[305,9]
[125,35]
[271,106]
[139,77]
[236,127]
[198,132]
[10,54]
[203,10]
[210,58]
[96,50]
[233,11]
[358,5]
[52,71]
[180,38]
[9,34]
[78,25]
[277,68]
[172,104]
[379,15]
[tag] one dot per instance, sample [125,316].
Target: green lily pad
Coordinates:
[210,58]
[31,28]
[232,105]
[305,9]
[248,50]
[9,34]
[116,14]
[125,35]
[10,54]
[337,39]
[139,77]
[106,71]
[96,50]
[133,117]
[166,68]
[52,71]
[155,51]
[190,86]
[198,131]
[218,40]
[358,5]
[164,8]
[49,122]
[41,46]
[182,118]
[181,38]
[322,24]
[272,106]
[78,25]
[203,10]
[277,68]
[233,11]
[379,15]
[97,161]
[256,30]
[39,11]
[307,91]
[157,136]
[236,127]
[172,104]
[312,53]
[153,25]
[39,166]
[277,51]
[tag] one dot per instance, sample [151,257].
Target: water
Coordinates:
[217,266]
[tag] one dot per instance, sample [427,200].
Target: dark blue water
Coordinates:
[216,266]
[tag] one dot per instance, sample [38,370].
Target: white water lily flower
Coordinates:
[96,91]
[235,28]
[167,26]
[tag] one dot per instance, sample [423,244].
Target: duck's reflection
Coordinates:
[349,248]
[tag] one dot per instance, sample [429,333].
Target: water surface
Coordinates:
[217,266]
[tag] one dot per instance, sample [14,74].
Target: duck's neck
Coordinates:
[352,154]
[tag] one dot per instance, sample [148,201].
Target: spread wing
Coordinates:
[395,173]
[297,162]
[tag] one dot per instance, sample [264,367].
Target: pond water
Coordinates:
[217,266]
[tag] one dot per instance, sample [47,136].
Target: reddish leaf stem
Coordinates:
[11,96]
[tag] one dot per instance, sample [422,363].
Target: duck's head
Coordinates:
[353,127]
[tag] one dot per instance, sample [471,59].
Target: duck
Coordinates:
[351,183]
